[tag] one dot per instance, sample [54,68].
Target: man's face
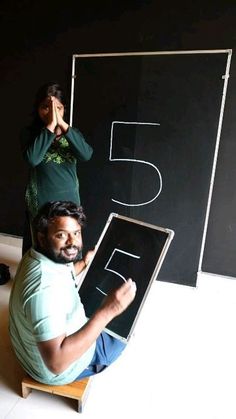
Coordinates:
[63,241]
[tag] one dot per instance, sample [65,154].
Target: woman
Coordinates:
[52,149]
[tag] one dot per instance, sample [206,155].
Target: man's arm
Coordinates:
[62,351]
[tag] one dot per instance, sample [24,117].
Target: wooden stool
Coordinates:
[77,390]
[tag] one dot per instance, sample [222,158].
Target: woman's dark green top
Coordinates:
[53,166]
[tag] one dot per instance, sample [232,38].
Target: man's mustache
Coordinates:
[70,247]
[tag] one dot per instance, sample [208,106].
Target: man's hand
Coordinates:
[89,256]
[118,300]
[81,264]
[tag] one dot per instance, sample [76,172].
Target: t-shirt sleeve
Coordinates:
[46,313]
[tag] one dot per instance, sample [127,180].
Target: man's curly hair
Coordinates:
[53,209]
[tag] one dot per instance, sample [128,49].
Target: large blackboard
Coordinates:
[126,249]
[153,122]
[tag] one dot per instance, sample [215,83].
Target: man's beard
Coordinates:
[67,254]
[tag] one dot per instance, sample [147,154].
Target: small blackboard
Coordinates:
[127,248]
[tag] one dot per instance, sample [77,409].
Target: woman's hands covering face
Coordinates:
[51,112]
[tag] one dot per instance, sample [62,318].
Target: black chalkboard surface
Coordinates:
[153,121]
[126,249]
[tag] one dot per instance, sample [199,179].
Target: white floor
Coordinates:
[180,364]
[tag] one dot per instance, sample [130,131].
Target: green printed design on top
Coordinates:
[59,152]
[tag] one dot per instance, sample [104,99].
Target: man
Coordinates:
[52,339]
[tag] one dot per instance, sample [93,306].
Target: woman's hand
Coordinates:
[52,115]
[59,115]
[55,122]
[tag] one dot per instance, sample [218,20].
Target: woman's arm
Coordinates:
[80,148]
[35,146]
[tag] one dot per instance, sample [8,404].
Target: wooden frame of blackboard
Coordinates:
[138,250]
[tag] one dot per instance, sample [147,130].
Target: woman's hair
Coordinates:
[53,209]
[47,89]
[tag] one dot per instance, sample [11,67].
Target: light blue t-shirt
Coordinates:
[44,304]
